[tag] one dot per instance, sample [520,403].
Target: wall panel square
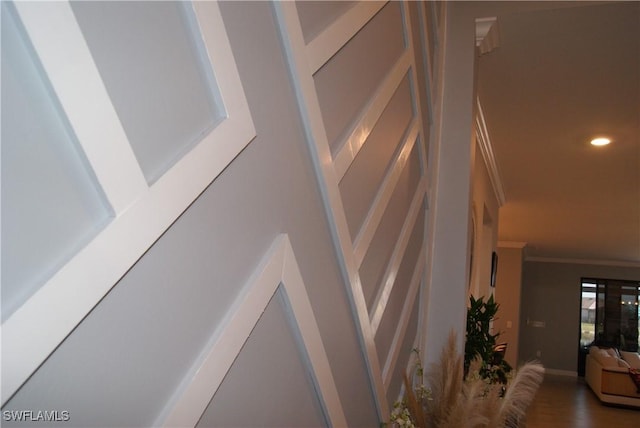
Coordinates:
[345,83]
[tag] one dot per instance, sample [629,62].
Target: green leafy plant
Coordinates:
[481,343]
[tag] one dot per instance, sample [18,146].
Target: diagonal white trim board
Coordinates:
[142,213]
[403,324]
[279,267]
[350,148]
[301,74]
[484,142]
[370,225]
[389,277]
[84,100]
[328,42]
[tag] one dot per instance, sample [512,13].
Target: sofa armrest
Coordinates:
[593,375]
[615,370]
[609,381]
[619,383]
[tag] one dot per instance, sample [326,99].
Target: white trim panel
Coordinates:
[484,142]
[371,222]
[84,100]
[403,323]
[327,43]
[618,263]
[143,213]
[351,146]
[302,76]
[426,54]
[390,273]
[279,267]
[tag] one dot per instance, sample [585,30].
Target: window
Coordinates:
[609,313]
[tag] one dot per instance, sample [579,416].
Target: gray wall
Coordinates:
[507,294]
[122,364]
[551,293]
[124,360]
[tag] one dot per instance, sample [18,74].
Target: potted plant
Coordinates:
[481,343]
[477,389]
[444,398]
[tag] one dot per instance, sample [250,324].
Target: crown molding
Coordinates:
[484,142]
[487,34]
[595,262]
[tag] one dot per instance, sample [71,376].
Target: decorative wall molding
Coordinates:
[142,213]
[278,269]
[487,34]
[426,59]
[351,146]
[304,60]
[484,142]
[329,41]
[403,323]
[302,76]
[416,212]
[389,276]
[367,231]
[594,262]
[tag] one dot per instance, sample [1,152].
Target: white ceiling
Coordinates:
[560,76]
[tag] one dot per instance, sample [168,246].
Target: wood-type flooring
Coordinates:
[567,402]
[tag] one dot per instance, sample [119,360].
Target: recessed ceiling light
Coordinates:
[600,141]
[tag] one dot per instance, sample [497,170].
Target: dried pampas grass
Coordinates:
[519,394]
[472,402]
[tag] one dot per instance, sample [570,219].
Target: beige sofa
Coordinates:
[607,374]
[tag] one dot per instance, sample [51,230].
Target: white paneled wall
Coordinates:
[142,212]
[202,199]
[358,87]
[277,276]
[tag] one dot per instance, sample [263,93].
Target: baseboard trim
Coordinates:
[557,372]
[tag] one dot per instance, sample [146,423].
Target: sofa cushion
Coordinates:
[613,352]
[632,358]
[624,364]
[605,359]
